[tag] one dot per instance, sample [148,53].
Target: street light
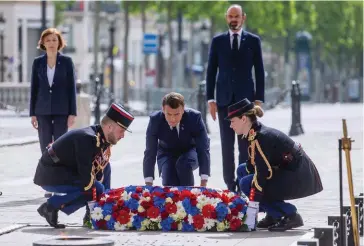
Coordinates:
[204,30]
[2,57]
[111,55]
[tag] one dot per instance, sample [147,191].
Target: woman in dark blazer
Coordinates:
[53,89]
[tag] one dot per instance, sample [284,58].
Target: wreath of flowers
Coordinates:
[169,209]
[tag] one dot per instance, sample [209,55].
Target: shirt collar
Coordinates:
[231,33]
[177,126]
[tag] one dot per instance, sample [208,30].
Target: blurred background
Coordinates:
[134,52]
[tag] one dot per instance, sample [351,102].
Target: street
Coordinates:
[322,125]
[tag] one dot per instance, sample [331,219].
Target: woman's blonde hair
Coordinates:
[45,33]
[255,112]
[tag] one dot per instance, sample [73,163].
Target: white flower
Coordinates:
[145,191]
[190,219]
[125,196]
[173,189]
[209,223]
[220,226]
[107,217]
[130,223]
[195,191]
[168,199]
[119,227]
[104,197]
[96,214]
[241,215]
[141,209]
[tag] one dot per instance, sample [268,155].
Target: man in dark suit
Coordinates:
[177,138]
[77,164]
[232,56]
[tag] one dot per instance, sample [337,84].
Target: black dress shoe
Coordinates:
[267,221]
[287,223]
[50,214]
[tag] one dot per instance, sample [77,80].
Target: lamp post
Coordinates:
[202,105]
[160,60]
[2,57]
[111,55]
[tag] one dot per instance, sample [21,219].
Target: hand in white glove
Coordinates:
[251,214]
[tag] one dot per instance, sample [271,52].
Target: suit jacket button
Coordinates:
[50,91]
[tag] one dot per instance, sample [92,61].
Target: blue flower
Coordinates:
[232,205]
[238,200]
[130,188]
[162,209]
[94,224]
[132,204]
[110,223]
[158,202]
[221,211]
[137,222]
[187,204]
[187,227]
[170,194]
[158,189]
[166,224]
[107,209]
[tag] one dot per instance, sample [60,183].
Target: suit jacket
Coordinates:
[80,153]
[234,71]
[58,99]
[161,141]
[282,170]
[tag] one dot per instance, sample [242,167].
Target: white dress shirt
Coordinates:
[203,176]
[50,74]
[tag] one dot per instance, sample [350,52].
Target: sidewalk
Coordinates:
[321,123]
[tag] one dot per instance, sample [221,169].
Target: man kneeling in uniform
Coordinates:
[77,162]
[177,138]
[278,169]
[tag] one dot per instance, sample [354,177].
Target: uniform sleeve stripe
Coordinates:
[122,111]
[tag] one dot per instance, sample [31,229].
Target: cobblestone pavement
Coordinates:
[322,125]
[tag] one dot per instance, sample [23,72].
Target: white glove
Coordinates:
[251,214]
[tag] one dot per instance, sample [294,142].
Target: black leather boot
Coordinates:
[287,223]
[50,214]
[267,221]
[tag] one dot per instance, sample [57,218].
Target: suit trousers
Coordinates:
[276,209]
[178,171]
[227,136]
[50,128]
[73,197]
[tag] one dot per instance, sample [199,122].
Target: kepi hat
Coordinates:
[120,115]
[239,108]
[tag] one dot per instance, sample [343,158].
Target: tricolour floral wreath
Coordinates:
[169,209]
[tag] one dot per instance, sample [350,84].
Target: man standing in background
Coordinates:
[231,59]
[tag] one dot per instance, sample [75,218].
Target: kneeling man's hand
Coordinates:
[203,183]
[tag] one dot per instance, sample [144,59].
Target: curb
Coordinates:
[18,141]
[12,228]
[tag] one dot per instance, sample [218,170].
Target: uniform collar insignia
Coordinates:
[252,134]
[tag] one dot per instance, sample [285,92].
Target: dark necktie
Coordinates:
[235,42]
[175,132]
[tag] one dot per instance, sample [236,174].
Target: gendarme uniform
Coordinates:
[76,163]
[278,169]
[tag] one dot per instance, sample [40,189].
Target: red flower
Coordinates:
[121,203]
[239,207]
[159,194]
[164,215]
[135,196]
[115,208]
[229,217]
[166,189]
[115,215]
[225,199]
[193,202]
[207,211]
[139,189]
[101,203]
[234,211]
[176,198]
[174,226]
[185,194]
[198,221]
[146,194]
[101,224]
[171,208]
[235,224]
[124,217]
[153,212]
[142,214]
[146,204]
